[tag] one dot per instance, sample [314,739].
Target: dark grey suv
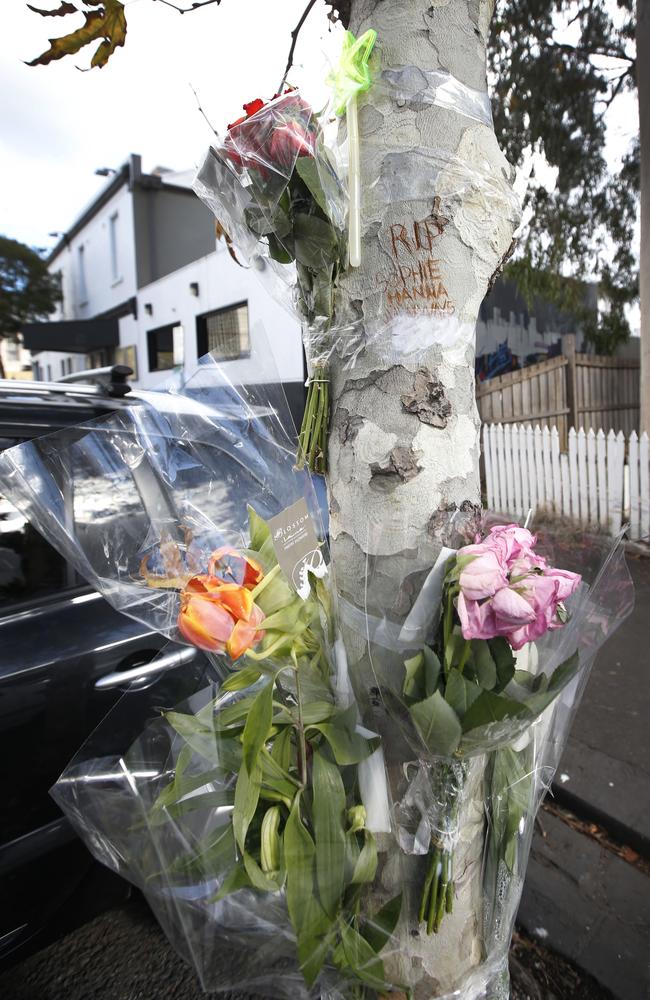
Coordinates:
[65,658]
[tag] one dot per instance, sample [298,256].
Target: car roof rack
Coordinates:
[112,379]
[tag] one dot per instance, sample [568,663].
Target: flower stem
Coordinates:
[312,439]
[300,729]
[264,582]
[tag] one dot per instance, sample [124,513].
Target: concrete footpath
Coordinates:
[587,892]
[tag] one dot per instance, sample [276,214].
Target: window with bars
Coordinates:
[224,333]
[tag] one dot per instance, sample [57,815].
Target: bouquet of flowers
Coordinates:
[277,192]
[325,816]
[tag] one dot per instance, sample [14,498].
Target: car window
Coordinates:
[30,569]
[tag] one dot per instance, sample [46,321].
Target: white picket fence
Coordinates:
[604,480]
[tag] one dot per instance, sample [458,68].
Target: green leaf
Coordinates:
[460,693]
[247,796]
[329,831]
[316,243]
[489,708]
[264,221]
[454,649]
[364,962]
[545,691]
[413,688]
[172,793]
[209,859]
[565,672]
[278,594]
[281,250]
[509,800]
[432,668]
[208,800]
[366,867]
[437,724]
[322,185]
[312,713]
[243,679]
[258,529]
[258,725]
[282,749]
[289,619]
[484,665]
[263,881]
[379,929]
[276,777]
[348,746]
[504,660]
[200,737]
[314,941]
[235,880]
[233,715]
[299,857]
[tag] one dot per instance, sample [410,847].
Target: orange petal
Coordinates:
[199,584]
[203,622]
[237,600]
[230,566]
[243,637]
[254,573]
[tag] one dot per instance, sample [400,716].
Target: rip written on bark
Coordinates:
[427,401]
[400,467]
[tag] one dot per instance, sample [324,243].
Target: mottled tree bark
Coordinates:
[438,218]
[437,210]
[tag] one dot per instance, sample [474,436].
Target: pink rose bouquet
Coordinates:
[507,590]
[467,693]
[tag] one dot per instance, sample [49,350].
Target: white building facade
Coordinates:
[145,284]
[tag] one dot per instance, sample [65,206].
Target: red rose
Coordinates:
[289,141]
[271,135]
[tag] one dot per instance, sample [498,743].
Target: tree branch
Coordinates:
[211,126]
[187,10]
[294,38]
[614,53]
[616,89]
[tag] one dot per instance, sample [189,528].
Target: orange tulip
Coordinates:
[204,622]
[230,566]
[237,600]
[219,616]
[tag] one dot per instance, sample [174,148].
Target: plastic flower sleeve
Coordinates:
[339,826]
[140,501]
[472,732]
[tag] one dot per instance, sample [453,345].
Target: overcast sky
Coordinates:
[58,125]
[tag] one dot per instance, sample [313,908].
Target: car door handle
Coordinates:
[158,665]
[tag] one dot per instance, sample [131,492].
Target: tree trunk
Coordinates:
[438,216]
[643,86]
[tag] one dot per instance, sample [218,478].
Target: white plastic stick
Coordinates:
[354,183]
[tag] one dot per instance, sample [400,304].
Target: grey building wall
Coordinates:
[172,229]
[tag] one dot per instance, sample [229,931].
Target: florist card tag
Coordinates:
[296,545]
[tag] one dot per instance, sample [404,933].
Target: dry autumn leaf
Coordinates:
[107,25]
[221,234]
[65,8]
